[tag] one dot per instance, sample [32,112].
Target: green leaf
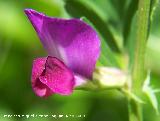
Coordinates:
[130,12]
[78,8]
[150,92]
[130,42]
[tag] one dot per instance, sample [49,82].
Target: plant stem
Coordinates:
[141,40]
[138,73]
[135,111]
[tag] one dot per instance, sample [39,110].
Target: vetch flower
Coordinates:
[73,48]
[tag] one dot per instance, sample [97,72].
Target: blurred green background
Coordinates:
[19,45]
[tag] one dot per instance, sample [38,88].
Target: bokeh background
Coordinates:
[19,45]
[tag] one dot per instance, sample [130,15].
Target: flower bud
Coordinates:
[109,77]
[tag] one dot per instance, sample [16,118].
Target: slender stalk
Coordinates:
[135,111]
[141,40]
[138,73]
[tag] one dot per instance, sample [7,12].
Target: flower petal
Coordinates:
[50,75]
[39,88]
[72,41]
[79,80]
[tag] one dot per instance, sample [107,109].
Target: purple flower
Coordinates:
[73,48]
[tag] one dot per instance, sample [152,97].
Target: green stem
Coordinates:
[141,40]
[135,111]
[138,73]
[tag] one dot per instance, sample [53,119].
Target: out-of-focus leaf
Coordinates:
[78,8]
[108,13]
[115,11]
[4,50]
[153,51]
[130,12]
[155,18]
[152,54]
[130,45]
[49,7]
[15,25]
[154,4]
